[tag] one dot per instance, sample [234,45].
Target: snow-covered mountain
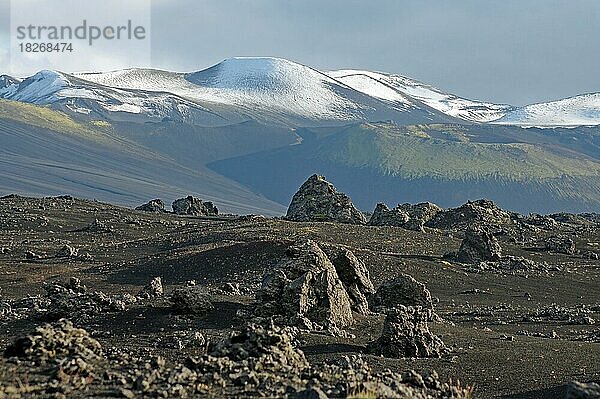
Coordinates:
[583,110]
[278,91]
[400,88]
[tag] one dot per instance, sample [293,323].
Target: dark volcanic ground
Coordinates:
[513,334]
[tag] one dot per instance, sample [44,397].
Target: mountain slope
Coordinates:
[53,154]
[574,111]
[448,164]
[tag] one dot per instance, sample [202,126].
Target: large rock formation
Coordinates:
[194,206]
[408,216]
[317,200]
[479,245]
[304,288]
[481,211]
[155,205]
[406,334]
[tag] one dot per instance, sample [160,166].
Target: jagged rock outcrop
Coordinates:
[305,289]
[317,200]
[355,277]
[408,216]
[479,245]
[194,206]
[406,334]
[155,205]
[482,211]
[403,290]
[563,245]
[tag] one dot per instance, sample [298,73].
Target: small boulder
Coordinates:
[67,252]
[317,200]
[479,245]
[191,301]
[406,334]
[384,216]
[404,290]
[194,206]
[154,289]
[563,245]
[155,206]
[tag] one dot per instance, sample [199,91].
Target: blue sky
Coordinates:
[509,51]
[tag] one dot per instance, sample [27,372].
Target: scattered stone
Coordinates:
[406,334]
[581,390]
[355,277]
[310,393]
[479,245]
[590,255]
[181,340]
[67,252]
[404,290]
[155,205]
[541,221]
[317,200]
[231,288]
[74,301]
[194,206]
[96,226]
[305,286]
[191,300]
[30,255]
[563,245]
[154,289]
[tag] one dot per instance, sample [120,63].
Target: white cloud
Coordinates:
[103,54]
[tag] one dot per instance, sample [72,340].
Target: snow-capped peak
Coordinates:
[40,88]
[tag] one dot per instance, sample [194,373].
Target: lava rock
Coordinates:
[404,290]
[194,206]
[479,245]
[191,300]
[155,205]
[580,390]
[482,211]
[406,334]
[563,245]
[317,200]
[305,285]
[355,277]
[153,289]
[384,216]
[67,252]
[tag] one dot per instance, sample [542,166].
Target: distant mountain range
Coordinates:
[246,132]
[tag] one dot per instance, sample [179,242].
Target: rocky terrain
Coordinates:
[415,301]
